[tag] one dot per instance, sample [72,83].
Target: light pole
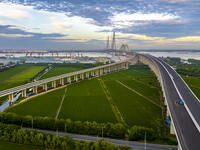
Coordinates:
[21,126]
[97,137]
[57,132]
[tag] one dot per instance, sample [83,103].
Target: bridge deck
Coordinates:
[25,86]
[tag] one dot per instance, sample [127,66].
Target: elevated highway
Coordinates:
[185,118]
[83,73]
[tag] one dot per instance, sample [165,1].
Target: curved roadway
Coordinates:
[187,132]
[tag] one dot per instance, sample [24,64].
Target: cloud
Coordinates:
[14,11]
[15,35]
[61,26]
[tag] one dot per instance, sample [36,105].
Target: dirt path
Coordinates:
[63,98]
[28,98]
[16,74]
[125,74]
[194,86]
[138,93]
[141,72]
[86,89]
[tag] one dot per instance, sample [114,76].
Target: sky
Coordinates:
[86,24]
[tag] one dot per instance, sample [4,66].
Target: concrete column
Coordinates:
[9,98]
[75,77]
[35,89]
[82,76]
[88,74]
[172,129]
[22,93]
[126,65]
[52,83]
[45,85]
[96,72]
[62,81]
[179,147]
[167,113]
[69,79]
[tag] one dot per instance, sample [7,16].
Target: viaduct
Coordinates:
[185,119]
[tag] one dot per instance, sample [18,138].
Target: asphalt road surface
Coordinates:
[134,145]
[187,132]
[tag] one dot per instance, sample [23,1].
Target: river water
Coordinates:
[184,55]
[194,55]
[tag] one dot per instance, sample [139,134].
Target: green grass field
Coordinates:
[149,92]
[86,101]
[26,75]
[14,146]
[44,105]
[11,72]
[135,109]
[55,71]
[194,84]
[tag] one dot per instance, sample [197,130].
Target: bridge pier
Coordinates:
[45,86]
[101,71]
[108,69]
[35,89]
[23,93]
[172,129]
[62,81]
[92,73]
[82,76]
[69,79]
[54,84]
[75,77]
[126,65]
[10,98]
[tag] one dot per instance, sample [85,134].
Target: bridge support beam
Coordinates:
[126,65]
[45,86]
[167,114]
[96,72]
[54,84]
[62,81]
[69,79]
[101,71]
[10,98]
[35,89]
[82,76]
[23,93]
[172,129]
[92,73]
[75,77]
[109,69]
